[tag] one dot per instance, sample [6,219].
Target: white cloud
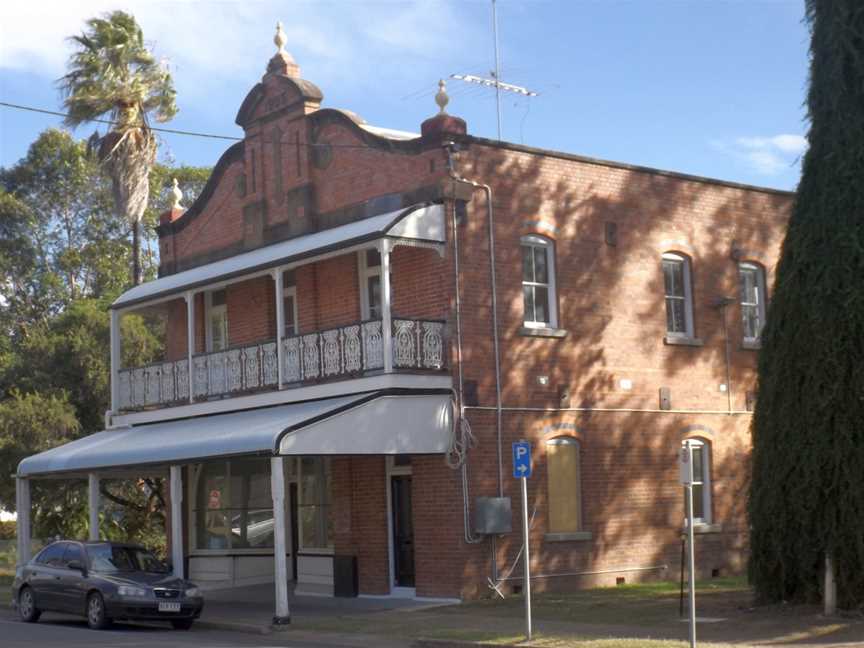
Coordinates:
[233,40]
[766,155]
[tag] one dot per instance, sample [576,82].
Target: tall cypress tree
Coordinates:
[807,493]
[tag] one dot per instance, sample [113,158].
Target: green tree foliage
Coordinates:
[112,75]
[63,258]
[807,496]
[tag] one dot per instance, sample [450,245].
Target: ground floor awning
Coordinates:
[383,422]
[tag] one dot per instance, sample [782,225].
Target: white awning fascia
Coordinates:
[421,223]
[420,423]
[384,425]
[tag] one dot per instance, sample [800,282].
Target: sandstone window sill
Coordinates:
[526,331]
[702,528]
[751,345]
[673,340]
[568,537]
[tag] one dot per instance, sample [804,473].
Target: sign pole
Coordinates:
[686,469]
[691,565]
[522,471]
[526,589]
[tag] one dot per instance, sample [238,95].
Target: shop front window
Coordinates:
[234,507]
[316,525]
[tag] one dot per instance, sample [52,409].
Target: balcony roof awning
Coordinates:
[372,423]
[418,223]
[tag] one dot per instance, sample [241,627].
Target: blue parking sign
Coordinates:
[521,459]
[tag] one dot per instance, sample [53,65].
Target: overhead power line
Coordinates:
[174,131]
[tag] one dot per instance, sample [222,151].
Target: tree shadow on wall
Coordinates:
[611,227]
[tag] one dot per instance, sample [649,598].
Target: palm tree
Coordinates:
[113,76]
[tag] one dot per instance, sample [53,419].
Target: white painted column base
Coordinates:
[22,503]
[176,489]
[93,505]
[280,563]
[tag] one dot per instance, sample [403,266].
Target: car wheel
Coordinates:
[96,616]
[181,624]
[27,609]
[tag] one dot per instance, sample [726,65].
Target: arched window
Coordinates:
[563,473]
[752,279]
[679,295]
[701,481]
[538,283]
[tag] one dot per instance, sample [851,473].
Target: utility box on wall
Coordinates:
[493,515]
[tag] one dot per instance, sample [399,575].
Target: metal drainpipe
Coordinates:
[448,147]
[723,303]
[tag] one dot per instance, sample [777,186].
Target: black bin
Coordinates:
[345,576]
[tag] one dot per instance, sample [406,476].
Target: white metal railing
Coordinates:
[418,344]
[240,369]
[341,352]
[158,384]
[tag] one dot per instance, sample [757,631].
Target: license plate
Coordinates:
[169,607]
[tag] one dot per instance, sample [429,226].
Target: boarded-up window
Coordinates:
[563,472]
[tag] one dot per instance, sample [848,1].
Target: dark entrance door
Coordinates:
[403,531]
[295,537]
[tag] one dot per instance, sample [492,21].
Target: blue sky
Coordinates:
[705,87]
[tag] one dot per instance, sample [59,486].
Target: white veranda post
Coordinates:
[190,339]
[386,316]
[280,562]
[22,503]
[93,504]
[278,281]
[115,360]
[176,489]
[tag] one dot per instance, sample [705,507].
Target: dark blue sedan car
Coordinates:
[104,581]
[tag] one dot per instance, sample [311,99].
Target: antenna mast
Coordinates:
[495,81]
[497,66]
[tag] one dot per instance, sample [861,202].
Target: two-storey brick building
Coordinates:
[359,322]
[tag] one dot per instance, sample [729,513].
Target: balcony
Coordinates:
[341,353]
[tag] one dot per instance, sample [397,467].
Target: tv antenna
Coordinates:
[495,81]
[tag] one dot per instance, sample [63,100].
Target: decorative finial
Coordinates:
[441,97]
[178,195]
[280,38]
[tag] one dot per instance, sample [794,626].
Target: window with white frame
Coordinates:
[369,262]
[752,278]
[678,294]
[538,283]
[563,482]
[289,297]
[316,525]
[216,320]
[701,481]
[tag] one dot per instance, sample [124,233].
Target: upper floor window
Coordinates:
[538,283]
[216,320]
[752,278]
[370,284]
[701,481]
[679,295]
[564,485]
[289,295]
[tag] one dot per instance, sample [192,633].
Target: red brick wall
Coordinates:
[610,303]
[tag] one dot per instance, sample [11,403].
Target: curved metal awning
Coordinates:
[418,224]
[375,423]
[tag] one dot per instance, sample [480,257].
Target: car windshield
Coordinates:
[109,558]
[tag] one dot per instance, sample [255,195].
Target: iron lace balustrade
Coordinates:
[235,370]
[155,385]
[338,353]
[418,344]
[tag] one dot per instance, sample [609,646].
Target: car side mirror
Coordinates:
[76,565]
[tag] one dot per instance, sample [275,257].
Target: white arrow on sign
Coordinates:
[522,468]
